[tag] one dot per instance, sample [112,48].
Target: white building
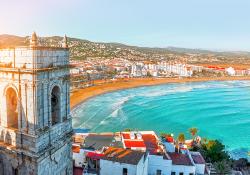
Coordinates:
[120,161]
[169,143]
[78,156]
[138,70]
[75,71]
[181,164]
[159,165]
[180,69]
[159,158]
[230,71]
[162,68]
[199,162]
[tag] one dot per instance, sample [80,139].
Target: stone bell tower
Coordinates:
[35,121]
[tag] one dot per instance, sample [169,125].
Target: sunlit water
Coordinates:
[221,110]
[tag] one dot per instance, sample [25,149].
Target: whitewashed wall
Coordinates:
[158,163]
[183,169]
[200,168]
[115,168]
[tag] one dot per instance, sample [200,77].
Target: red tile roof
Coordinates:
[126,136]
[169,139]
[180,159]
[134,144]
[151,143]
[94,156]
[75,149]
[123,155]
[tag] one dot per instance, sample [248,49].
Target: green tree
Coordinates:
[181,138]
[127,130]
[193,131]
[204,140]
[149,74]
[215,151]
[222,167]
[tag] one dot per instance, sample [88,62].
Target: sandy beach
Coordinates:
[101,87]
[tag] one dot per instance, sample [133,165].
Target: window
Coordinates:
[173,173]
[158,172]
[15,170]
[55,105]
[12,109]
[124,171]
[181,173]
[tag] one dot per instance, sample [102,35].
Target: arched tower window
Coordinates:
[55,105]
[12,109]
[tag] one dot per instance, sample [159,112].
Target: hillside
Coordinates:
[82,49]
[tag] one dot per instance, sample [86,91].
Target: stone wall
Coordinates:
[34,58]
[16,163]
[59,162]
[35,146]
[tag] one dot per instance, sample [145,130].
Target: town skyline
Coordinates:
[204,25]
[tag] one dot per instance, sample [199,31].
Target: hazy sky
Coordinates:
[209,24]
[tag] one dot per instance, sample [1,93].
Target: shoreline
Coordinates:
[101,87]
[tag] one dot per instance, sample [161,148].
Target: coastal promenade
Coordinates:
[100,87]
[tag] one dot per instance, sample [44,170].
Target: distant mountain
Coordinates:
[186,50]
[11,41]
[81,49]
[202,51]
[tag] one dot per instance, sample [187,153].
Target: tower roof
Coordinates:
[33,40]
[34,37]
[65,42]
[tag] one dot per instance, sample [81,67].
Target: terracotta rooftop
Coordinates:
[142,140]
[198,159]
[134,144]
[151,143]
[126,136]
[123,156]
[180,159]
[75,149]
[94,156]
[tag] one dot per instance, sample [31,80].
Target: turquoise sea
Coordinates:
[220,110]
